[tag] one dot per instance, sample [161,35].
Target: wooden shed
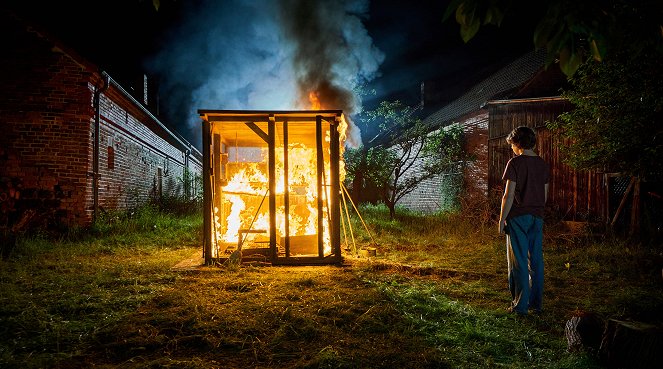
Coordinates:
[575,195]
[272,185]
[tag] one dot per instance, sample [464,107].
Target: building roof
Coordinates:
[499,85]
[250,127]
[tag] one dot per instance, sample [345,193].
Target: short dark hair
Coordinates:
[523,137]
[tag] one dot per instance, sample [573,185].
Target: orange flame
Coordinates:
[314,99]
[243,209]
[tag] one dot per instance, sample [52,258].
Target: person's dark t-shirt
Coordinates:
[530,173]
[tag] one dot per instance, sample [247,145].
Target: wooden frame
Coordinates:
[234,138]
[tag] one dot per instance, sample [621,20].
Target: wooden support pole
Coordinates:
[286,188]
[217,179]
[335,188]
[254,127]
[207,194]
[320,173]
[271,132]
[575,195]
[608,188]
[634,230]
[347,216]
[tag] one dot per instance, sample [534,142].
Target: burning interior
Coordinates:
[272,185]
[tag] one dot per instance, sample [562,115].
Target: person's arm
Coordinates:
[507,202]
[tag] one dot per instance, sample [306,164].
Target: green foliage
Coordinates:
[375,164]
[192,183]
[409,155]
[471,14]
[443,150]
[145,219]
[186,201]
[617,122]
[571,31]
[433,297]
[451,189]
[612,50]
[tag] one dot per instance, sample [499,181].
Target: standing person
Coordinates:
[521,218]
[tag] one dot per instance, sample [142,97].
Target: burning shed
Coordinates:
[272,185]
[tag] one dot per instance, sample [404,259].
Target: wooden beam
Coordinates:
[286,189]
[320,172]
[623,202]
[258,131]
[271,142]
[260,118]
[207,194]
[635,209]
[335,189]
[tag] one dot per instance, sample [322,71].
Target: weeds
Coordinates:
[433,297]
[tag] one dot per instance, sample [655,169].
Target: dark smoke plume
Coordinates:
[332,53]
[266,55]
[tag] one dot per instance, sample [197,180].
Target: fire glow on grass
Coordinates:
[306,185]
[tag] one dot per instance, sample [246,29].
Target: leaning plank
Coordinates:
[623,202]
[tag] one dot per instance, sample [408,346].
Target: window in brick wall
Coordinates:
[111,157]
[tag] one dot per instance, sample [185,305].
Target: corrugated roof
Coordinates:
[506,79]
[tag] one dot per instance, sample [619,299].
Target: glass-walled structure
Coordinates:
[272,185]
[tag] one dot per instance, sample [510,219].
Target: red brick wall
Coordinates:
[475,176]
[47,118]
[45,111]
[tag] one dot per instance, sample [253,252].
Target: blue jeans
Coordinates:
[524,255]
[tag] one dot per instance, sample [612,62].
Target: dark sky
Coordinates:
[419,46]
[244,54]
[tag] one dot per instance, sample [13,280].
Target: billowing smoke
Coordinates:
[333,53]
[265,55]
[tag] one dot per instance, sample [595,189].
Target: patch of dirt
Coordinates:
[267,317]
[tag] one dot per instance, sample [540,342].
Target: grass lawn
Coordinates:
[433,297]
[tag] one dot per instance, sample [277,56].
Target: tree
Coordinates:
[617,121]
[408,154]
[571,31]
[617,126]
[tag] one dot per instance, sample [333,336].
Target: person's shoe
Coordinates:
[512,310]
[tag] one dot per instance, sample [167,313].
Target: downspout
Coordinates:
[95,155]
[187,178]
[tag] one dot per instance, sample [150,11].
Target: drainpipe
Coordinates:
[187,177]
[95,155]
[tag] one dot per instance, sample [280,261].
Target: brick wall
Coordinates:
[47,117]
[475,176]
[429,196]
[144,164]
[45,111]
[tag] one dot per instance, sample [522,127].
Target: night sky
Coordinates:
[241,54]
